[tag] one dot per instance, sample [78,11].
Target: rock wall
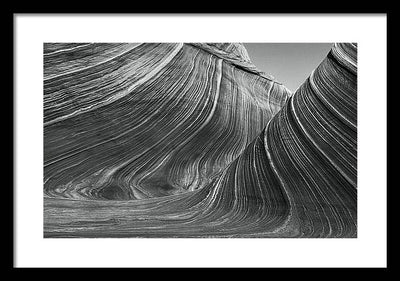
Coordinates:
[191,140]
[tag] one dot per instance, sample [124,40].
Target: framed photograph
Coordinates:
[178,145]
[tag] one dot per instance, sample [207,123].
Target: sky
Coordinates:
[289,63]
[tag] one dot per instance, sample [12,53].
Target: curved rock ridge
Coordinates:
[234,53]
[297,178]
[127,121]
[312,144]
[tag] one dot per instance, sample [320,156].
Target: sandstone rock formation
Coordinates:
[192,140]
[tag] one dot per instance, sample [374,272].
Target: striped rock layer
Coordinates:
[191,140]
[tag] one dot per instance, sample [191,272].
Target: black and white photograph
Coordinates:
[196,140]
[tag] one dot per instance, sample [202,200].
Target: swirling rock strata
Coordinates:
[180,140]
[132,122]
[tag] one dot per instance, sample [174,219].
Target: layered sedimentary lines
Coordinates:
[234,53]
[191,140]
